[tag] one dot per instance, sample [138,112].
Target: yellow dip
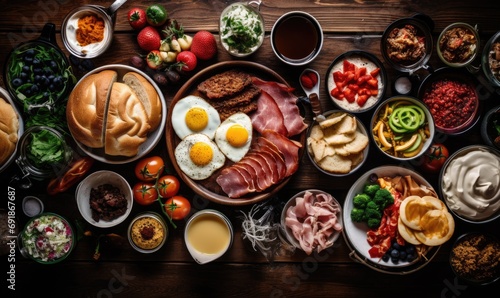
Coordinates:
[147,233]
[208,234]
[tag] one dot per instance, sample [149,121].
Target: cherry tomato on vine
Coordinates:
[144,193]
[434,158]
[177,207]
[149,168]
[168,186]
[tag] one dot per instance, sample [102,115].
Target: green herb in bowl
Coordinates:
[45,149]
[241,29]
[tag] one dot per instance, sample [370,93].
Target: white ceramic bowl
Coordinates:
[292,202]
[93,181]
[153,137]
[429,123]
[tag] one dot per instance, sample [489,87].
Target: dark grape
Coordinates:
[137,62]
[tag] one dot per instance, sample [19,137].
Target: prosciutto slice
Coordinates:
[289,149]
[287,104]
[268,115]
[313,220]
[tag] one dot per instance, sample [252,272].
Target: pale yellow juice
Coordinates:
[209,234]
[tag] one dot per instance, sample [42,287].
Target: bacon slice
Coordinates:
[287,103]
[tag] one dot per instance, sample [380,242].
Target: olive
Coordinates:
[137,62]
[160,79]
[173,76]
[17,82]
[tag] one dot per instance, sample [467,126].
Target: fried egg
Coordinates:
[234,135]
[192,114]
[198,156]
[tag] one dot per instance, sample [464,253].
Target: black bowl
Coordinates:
[32,92]
[422,24]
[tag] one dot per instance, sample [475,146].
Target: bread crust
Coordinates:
[147,94]
[127,124]
[86,108]
[9,127]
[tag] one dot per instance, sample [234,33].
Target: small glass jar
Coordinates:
[37,169]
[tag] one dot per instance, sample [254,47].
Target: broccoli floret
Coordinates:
[383,198]
[372,205]
[357,215]
[371,189]
[373,213]
[360,200]
[373,222]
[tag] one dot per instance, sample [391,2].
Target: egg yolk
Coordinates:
[201,153]
[196,119]
[237,135]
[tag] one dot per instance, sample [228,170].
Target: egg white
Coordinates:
[233,153]
[188,167]
[179,114]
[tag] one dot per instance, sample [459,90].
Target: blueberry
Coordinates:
[28,60]
[30,52]
[396,245]
[24,76]
[36,62]
[26,68]
[402,255]
[53,65]
[410,249]
[37,70]
[395,260]
[410,257]
[394,253]
[17,82]
[385,257]
[34,89]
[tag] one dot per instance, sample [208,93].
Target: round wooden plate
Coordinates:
[208,188]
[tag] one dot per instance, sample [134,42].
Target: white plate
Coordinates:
[5,95]
[356,232]
[153,137]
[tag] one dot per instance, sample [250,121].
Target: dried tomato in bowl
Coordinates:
[452,101]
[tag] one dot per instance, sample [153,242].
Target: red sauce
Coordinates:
[451,103]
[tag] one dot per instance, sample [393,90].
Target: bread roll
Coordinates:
[86,107]
[127,122]
[9,126]
[147,94]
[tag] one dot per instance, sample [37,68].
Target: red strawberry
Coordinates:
[137,18]
[149,39]
[204,45]
[187,61]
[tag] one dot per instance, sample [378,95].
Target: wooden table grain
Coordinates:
[242,272]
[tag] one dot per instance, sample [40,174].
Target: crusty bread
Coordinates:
[147,94]
[9,126]
[86,108]
[127,122]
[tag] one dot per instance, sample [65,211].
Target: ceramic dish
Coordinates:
[58,242]
[208,188]
[360,60]
[355,233]
[468,255]
[94,180]
[489,61]
[159,231]
[153,137]
[5,95]
[490,126]
[422,32]
[469,182]
[337,228]
[467,51]
[352,156]
[420,139]
[439,84]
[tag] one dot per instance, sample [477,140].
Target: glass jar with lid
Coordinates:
[43,153]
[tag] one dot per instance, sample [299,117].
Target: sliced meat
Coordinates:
[233,183]
[287,104]
[268,115]
[289,149]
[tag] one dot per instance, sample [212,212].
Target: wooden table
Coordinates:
[242,272]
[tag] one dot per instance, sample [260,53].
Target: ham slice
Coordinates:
[287,104]
[268,115]
[313,220]
[289,149]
